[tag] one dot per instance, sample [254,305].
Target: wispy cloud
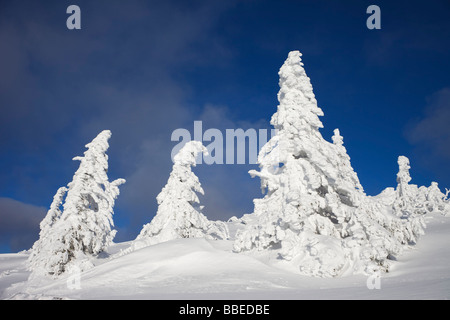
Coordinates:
[431,133]
[433,130]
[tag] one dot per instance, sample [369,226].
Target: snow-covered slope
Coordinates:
[206,269]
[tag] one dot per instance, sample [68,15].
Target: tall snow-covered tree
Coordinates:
[314,212]
[83,228]
[179,212]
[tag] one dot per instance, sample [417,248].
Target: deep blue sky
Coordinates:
[145,68]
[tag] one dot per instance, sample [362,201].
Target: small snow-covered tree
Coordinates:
[179,212]
[436,201]
[412,200]
[36,257]
[343,161]
[54,213]
[82,229]
[315,213]
[405,203]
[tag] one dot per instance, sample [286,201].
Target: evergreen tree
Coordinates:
[54,213]
[315,212]
[82,230]
[344,166]
[36,257]
[411,200]
[436,201]
[179,212]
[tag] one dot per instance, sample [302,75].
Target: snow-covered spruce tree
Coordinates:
[315,212]
[179,213]
[344,166]
[406,194]
[82,230]
[36,257]
[436,201]
[411,200]
[54,213]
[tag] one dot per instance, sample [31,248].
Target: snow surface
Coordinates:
[197,268]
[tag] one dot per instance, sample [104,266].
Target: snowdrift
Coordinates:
[197,268]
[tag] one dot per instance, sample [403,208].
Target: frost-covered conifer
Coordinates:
[343,161]
[54,213]
[412,200]
[69,238]
[406,194]
[179,212]
[315,212]
[436,201]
